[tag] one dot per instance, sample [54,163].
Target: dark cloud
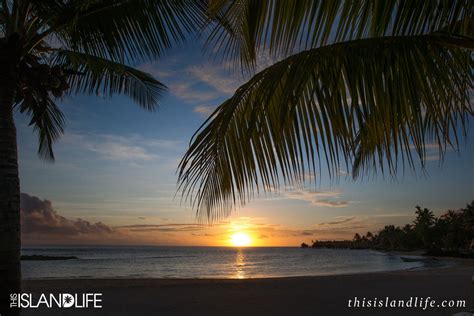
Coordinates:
[206,235]
[342,221]
[156,225]
[175,227]
[305,233]
[329,203]
[38,217]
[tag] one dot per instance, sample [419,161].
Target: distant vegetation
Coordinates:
[451,234]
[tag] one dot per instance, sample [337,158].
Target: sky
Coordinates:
[114,178]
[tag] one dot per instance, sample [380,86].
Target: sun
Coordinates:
[240,240]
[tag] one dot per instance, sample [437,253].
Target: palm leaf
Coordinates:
[48,122]
[95,75]
[285,27]
[368,102]
[98,38]
[119,29]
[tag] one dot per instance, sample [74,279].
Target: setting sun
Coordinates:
[241,240]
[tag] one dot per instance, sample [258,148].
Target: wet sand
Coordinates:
[320,295]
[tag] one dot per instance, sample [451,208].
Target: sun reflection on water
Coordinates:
[240,265]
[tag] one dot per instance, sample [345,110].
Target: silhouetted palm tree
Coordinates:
[52,47]
[391,237]
[370,236]
[361,84]
[356,238]
[423,225]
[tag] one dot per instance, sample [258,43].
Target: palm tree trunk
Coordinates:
[10,243]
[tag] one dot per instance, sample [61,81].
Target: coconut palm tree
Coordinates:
[52,47]
[423,226]
[363,85]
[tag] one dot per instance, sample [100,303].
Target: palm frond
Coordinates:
[120,29]
[284,27]
[48,122]
[95,75]
[368,101]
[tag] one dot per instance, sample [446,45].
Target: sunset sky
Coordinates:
[114,179]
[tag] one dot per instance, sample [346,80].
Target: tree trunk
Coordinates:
[10,243]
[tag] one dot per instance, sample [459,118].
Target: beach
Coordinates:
[318,295]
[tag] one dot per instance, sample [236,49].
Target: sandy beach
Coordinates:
[322,295]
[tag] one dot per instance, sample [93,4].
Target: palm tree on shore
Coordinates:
[52,47]
[363,85]
[423,226]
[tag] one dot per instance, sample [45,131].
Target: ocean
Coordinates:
[207,262]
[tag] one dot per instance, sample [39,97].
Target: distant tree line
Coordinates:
[450,234]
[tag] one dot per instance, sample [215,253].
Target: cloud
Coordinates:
[153,69]
[205,235]
[328,203]
[432,151]
[316,198]
[342,172]
[219,77]
[132,148]
[168,227]
[189,92]
[175,227]
[433,157]
[344,228]
[305,233]
[182,84]
[42,225]
[342,221]
[204,83]
[38,217]
[216,77]
[115,149]
[203,109]
[200,83]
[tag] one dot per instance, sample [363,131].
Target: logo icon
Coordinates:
[68,300]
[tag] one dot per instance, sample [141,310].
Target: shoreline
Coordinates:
[448,262]
[126,278]
[305,295]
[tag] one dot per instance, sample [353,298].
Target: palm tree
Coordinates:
[391,237]
[423,226]
[356,238]
[370,236]
[52,47]
[364,85]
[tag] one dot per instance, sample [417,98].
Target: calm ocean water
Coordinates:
[206,262]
